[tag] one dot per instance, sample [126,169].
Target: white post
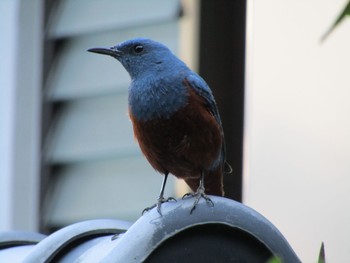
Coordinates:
[20,105]
[8,27]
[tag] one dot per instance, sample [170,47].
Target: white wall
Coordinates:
[8,29]
[20,102]
[297,139]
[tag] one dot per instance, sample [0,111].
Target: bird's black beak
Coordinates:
[113,51]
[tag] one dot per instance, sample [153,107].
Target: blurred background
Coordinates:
[67,151]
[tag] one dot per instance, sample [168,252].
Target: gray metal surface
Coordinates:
[95,240]
[16,245]
[152,229]
[75,234]
[17,238]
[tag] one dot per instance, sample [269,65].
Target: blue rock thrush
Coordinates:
[174,116]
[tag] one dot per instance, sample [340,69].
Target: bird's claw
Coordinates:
[159,203]
[115,236]
[188,195]
[198,195]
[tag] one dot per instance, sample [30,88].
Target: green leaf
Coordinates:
[343,14]
[274,260]
[322,255]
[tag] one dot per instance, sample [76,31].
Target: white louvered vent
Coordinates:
[100,169]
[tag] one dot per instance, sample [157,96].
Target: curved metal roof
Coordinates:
[228,230]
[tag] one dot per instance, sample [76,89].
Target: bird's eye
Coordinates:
[138,48]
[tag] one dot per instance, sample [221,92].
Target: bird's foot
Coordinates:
[159,203]
[198,195]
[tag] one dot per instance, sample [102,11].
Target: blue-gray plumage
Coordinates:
[174,116]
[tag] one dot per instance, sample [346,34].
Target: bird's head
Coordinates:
[139,56]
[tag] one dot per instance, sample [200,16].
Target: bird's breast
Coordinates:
[190,139]
[156,99]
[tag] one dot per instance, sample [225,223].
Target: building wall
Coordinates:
[7,79]
[297,123]
[20,102]
[93,168]
[96,167]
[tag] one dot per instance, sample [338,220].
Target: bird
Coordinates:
[174,116]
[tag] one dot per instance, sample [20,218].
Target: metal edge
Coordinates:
[53,244]
[19,238]
[150,230]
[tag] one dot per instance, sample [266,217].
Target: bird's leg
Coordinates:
[161,198]
[199,193]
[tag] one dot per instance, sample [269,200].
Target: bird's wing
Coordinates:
[201,88]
